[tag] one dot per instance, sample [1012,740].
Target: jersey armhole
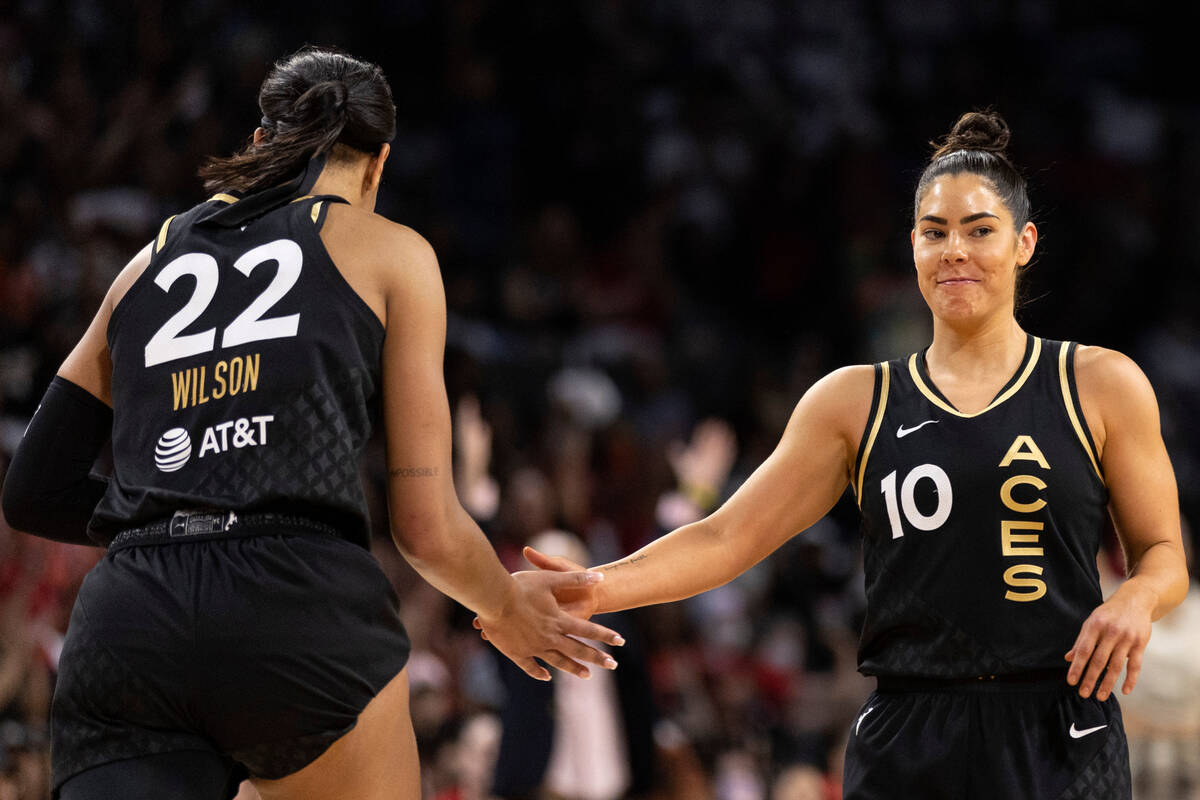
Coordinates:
[879,396]
[159,244]
[318,213]
[1070,394]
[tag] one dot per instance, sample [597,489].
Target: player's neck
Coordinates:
[997,346]
[346,182]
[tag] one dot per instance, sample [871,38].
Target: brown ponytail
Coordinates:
[314,102]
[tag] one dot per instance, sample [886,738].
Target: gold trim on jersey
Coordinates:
[885,381]
[1067,400]
[162,234]
[316,210]
[224,198]
[305,197]
[944,406]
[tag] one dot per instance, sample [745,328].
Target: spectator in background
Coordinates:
[578,738]
[754,147]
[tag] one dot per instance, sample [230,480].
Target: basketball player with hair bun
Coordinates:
[238,624]
[984,468]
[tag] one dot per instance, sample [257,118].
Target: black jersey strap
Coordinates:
[50,490]
[255,205]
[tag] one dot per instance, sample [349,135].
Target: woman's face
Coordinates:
[966,251]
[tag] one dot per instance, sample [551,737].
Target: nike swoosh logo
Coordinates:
[1079,734]
[902,431]
[860,719]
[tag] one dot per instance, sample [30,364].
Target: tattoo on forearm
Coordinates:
[413,472]
[611,567]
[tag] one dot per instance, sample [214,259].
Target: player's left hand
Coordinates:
[1112,639]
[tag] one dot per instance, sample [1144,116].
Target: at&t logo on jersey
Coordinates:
[174,448]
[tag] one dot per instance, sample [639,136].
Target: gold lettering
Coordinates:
[1024,508]
[181,383]
[1015,544]
[1024,449]
[236,372]
[219,378]
[252,372]
[239,374]
[203,396]
[1037,585]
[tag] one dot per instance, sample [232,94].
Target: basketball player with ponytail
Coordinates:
[238,624]
[984,467]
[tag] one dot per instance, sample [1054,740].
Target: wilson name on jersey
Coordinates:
[980,531]
[245,371]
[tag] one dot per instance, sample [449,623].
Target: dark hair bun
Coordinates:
[976,130]
[323,102]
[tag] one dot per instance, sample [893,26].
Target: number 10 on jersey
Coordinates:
[907,499]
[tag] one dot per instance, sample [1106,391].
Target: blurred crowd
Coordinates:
[658,223]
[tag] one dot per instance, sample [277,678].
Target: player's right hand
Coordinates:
[531,625]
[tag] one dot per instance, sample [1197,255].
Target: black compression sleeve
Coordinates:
[50,490]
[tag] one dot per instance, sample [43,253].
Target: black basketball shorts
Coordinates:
[262,648]
[986,740]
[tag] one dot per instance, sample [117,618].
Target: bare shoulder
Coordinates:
[846,386]
[385,262]
[840,401]
[1115,395]
[1111,378]
[365,232]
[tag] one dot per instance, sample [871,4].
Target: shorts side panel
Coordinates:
[1041,744]
[1107,775]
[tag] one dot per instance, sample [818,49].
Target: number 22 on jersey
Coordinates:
[168,343]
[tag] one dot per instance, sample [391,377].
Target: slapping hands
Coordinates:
[545,619]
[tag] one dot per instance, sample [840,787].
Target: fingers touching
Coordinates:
[554,563]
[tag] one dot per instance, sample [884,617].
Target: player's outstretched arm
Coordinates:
[1122,414]
[793,488]
[429,525]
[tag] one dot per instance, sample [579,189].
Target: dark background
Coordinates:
[646,213]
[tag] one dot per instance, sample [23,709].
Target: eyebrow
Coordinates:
[967,220]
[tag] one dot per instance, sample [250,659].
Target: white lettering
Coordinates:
[262,426]
[209,443]
[218,440]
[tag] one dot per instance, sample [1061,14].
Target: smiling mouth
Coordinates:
[957,282]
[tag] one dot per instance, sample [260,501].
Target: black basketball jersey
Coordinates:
[245,370]
[980,531]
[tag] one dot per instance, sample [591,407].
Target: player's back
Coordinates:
[245,371]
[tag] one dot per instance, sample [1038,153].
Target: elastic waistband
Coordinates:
[195,526]
[1034,680]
